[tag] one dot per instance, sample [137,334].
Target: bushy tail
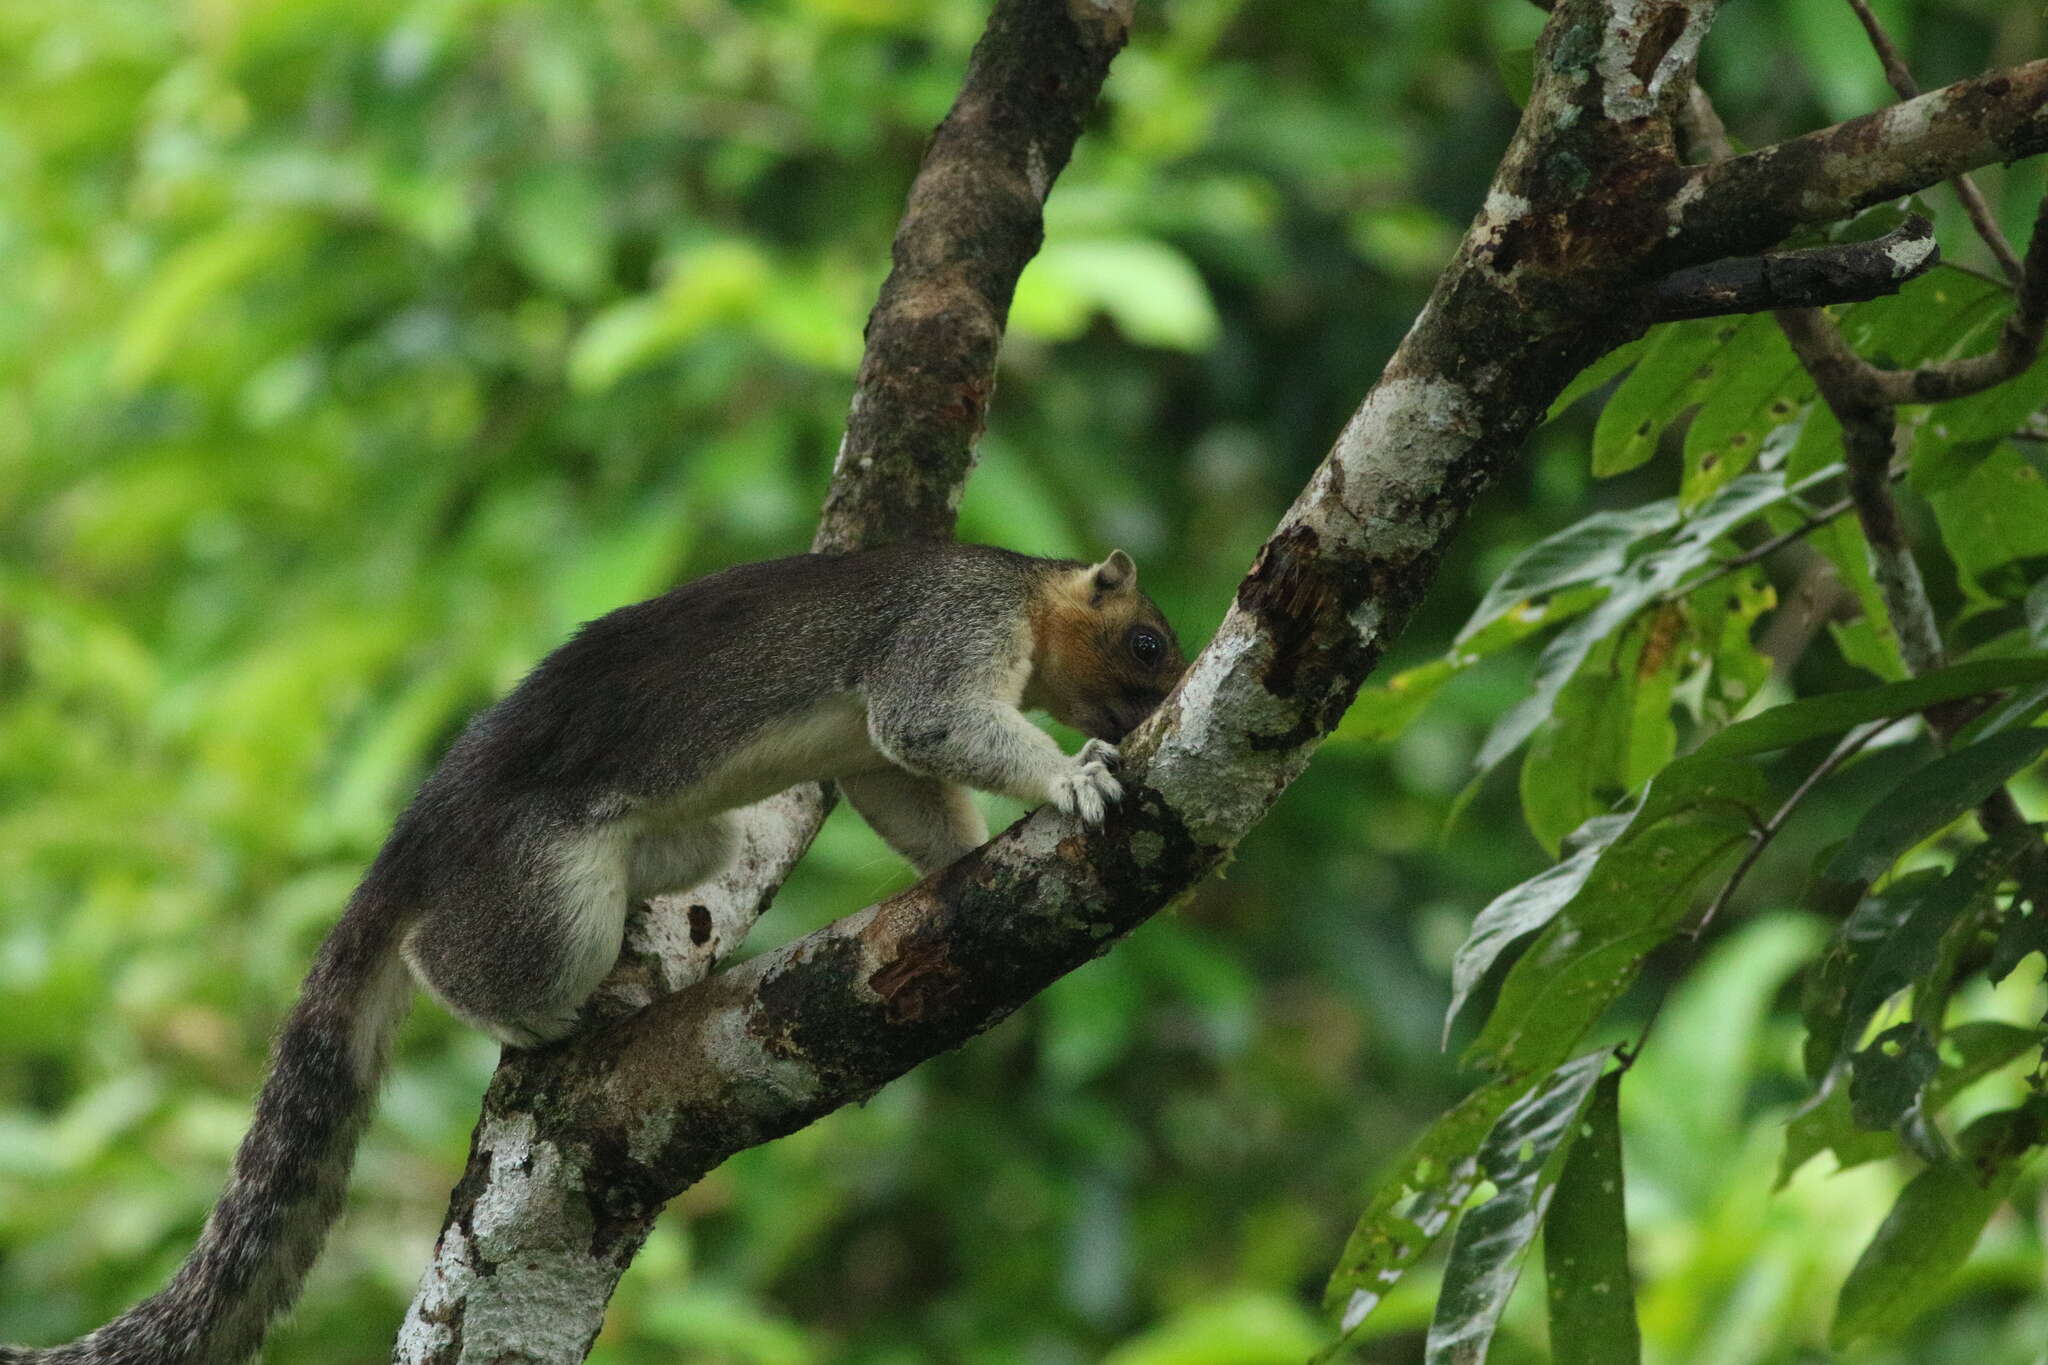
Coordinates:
[290,1173]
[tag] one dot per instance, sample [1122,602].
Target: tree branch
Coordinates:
[1749,202]
[1845,272]
[1902,82]
[973,221]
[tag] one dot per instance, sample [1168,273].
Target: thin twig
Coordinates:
[1760,837]
[1966,189]
[1764,550]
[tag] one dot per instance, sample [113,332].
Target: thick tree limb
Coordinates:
[518,1273]
[1749,202]
[972,224]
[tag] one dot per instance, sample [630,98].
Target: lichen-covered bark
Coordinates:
[972,224]
[1750,201]
[1589,212]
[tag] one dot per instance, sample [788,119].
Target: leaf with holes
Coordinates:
[1681,365]
[1411,1207]
[1585,1245]
[1522,1157]
[1640,888]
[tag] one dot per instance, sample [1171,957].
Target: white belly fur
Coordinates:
[831,740]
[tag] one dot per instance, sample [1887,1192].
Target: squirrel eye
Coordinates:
[1146,646]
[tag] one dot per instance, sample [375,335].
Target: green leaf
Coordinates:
[1598,373]
[558,224]
[1832,1026]
[1837,713]
[1591,550]
[185,286]
[1523,1157]
[2018,935]
[1970,1051]
[1682,364]
[1768,391]
[1927,801]
[1585,1245]
[1150,289]
[715,282]
[1886,1081]
[1422,1193]
[1635,586]
[1826,1126]
[1930,1230]
[1522,910]
[1997,515]
[1610,730]
[1694,813]
[1379,714]
[1903,938]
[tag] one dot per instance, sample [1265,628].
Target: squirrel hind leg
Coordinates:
[516,951]
[675,857]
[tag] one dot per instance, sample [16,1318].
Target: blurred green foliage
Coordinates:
[353,352]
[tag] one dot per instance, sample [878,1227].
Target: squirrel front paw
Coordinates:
[1086,789]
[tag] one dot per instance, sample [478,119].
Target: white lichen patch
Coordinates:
[532,1236]
[1037,171]
[1688,194]
[1908,256]
[1392,455]
[1503,207]
[425,1332]
[1625,96]
[1215,781]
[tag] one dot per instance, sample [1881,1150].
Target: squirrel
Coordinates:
[607,776]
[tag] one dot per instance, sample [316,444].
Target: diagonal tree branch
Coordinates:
[513,1275]
[580,1146]
[1749,202]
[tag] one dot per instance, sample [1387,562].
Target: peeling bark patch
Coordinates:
[1663,32]
[921,979]
[1304,601]
[1288,595]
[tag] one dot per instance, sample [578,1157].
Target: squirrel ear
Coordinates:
[1114,575]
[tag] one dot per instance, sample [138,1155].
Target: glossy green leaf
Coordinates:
[1640,888]
[1931,1229]
[1415,1202]
[1589,551]
[1523,909]
[1642,581]
[1609,731]
[1590,1290]
[1522,1157]
[1927,801]
[1836,713]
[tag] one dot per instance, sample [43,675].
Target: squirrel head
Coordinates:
[1103,657]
